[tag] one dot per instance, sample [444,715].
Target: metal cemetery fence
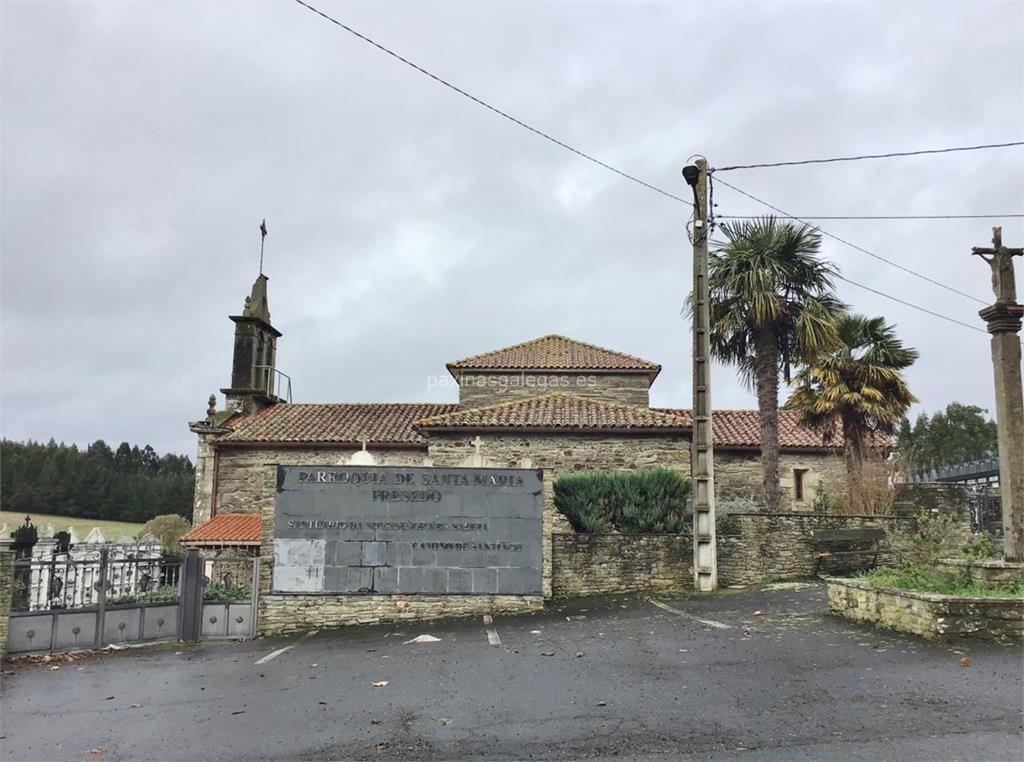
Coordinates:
[64,603]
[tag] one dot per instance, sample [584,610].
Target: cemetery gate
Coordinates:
[106,597]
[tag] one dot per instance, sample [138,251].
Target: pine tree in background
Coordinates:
[129,484]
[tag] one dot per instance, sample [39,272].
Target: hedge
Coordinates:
[645,501]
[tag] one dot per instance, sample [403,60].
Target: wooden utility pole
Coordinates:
[702,452]
[1004,323]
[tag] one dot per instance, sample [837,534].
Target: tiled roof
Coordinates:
[300,423]
[742,429]
[554,353]
[557,411]
[226,529]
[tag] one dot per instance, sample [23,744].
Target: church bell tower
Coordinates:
[254,375]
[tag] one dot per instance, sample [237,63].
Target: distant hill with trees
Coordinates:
[128,484]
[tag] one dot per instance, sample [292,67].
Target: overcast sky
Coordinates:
[143,143]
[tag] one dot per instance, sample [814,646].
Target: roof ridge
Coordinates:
[584,401]
[643,364]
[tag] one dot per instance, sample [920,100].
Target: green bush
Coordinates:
[645,501]
[937,537]
[980,548]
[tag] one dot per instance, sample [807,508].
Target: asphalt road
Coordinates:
[597,678]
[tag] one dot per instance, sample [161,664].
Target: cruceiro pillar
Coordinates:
[1004,323]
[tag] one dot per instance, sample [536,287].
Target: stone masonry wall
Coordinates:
[280,614]
[6,591]
[491,388]
[738,475]
[781,546]
[929,615]
[556,453]
[591,564]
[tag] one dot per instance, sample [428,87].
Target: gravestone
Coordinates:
[388,529]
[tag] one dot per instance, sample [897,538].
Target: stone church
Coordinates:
[550,403]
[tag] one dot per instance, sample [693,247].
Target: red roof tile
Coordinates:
[742,429]
[557,411]
[554,353]
[226,529]
[336,424]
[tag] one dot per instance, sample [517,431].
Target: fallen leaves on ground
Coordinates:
[965,662]
[135,706]
[381,684]
[547,653]
[383,746]
[96,750]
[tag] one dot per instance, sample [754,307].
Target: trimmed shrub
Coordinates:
[646,501]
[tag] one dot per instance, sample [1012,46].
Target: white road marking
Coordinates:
[492,634]
[275,654]
[677,612]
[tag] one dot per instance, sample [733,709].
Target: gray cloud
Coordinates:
[142,144]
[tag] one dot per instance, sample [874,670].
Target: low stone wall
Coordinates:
[779,546]
[6,590]
[929,615]
[592,564]
[280,614]
[989,573]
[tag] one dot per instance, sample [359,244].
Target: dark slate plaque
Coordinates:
[388,529]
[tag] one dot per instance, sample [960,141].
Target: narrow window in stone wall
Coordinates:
[798,484]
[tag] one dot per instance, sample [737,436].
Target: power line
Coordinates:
[630,177]
[855,246]
[868,156]
[488,106]
[912,305]
[879,217]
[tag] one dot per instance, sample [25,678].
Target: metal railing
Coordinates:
[64,582]
[274,382]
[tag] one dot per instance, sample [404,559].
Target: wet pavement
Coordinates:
[619,677]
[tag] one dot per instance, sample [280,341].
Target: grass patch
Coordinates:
[112,529]
[942,582]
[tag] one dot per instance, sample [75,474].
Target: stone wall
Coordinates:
[929,615]
[491,388]
[780,546]
[6,590]
[738,475]
[912,499]
[281,614]
[590,564]
[556,453]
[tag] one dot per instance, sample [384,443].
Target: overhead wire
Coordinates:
[843,241]
[656,189]
[488,106]
[880,216]
[862,157]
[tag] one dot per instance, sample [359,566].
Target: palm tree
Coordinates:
[857,389]
[771,306]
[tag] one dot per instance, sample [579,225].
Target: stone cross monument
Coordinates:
[1004,323]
